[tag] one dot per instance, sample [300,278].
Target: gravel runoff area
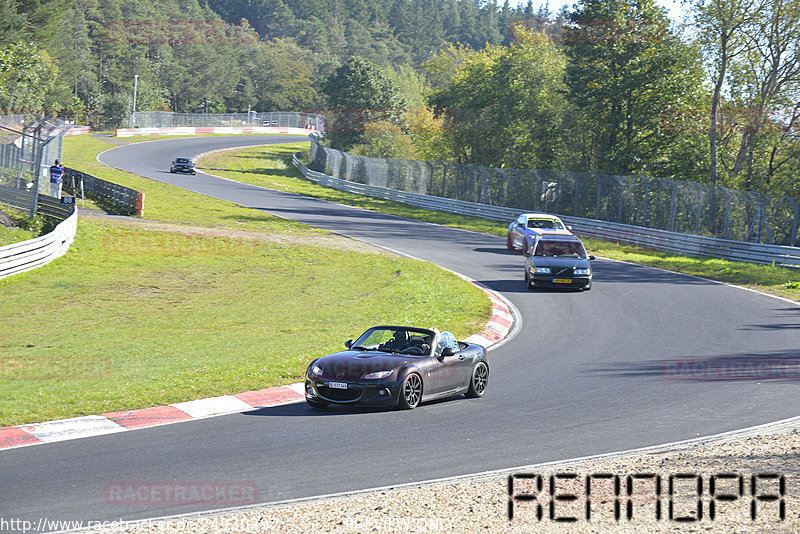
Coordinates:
[723,468]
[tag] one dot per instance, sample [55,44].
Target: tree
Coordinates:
[626,71]
[752,48]
[507,104]
[358,93]
[280,73]
[26,75]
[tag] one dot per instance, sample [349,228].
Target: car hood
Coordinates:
[353,364]
[555,262]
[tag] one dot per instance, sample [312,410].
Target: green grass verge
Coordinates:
[249,164]
[132,318]
[22,229]
[142,314]
[9,235]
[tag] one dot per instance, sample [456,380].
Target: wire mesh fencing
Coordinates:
[277,119]
[28,146]
[659,203]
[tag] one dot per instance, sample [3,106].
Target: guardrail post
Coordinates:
[699,206]
[672,206]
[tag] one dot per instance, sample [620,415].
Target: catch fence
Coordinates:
[28,146]
[277,119]
[659,203]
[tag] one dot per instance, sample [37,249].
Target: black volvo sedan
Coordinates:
[557,261]
[397,366]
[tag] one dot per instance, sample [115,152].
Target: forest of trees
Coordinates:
[609,86]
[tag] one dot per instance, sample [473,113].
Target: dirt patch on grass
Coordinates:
[331,241]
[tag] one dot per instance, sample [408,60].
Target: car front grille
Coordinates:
[341,395]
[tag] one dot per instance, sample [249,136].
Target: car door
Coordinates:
[452,370]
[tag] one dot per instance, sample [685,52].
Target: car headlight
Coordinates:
[316,370]
[542,270]
[376,375]
[582,271]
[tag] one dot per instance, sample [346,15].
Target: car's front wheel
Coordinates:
[410,392]
[316,403]
[477,384]
[510,242]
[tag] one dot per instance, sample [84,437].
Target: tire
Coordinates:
[410,392]
[316,404]
[478,380]
[510,242]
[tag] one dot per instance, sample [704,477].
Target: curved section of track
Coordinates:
[584,376]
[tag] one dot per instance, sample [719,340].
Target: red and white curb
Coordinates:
[496,330]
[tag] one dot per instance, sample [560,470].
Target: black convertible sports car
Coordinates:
[182,165]
[397,366]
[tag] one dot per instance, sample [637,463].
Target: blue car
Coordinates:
[527,226]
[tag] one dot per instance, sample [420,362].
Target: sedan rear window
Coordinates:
[559,248]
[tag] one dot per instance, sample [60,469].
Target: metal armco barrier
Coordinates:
[27,255]
[636,235]
[126,198]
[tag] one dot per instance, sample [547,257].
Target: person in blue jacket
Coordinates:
[56,177]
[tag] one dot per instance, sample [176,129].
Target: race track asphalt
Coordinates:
[585,375]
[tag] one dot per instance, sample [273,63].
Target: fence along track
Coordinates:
[637,235]
[26,255]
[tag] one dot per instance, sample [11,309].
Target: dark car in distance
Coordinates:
[182,165]
[558,261]
[397,366]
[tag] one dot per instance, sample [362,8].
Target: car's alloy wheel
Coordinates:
[477,385]
[316,403]
[411,392]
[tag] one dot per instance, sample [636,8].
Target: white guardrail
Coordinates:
[26,255]
[636,235]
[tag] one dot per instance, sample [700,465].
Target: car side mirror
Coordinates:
[448,351]
[348,343]
[591,258]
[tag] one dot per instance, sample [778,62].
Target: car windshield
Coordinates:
[183,160]
[560,248]
[396,339]
[547,224]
